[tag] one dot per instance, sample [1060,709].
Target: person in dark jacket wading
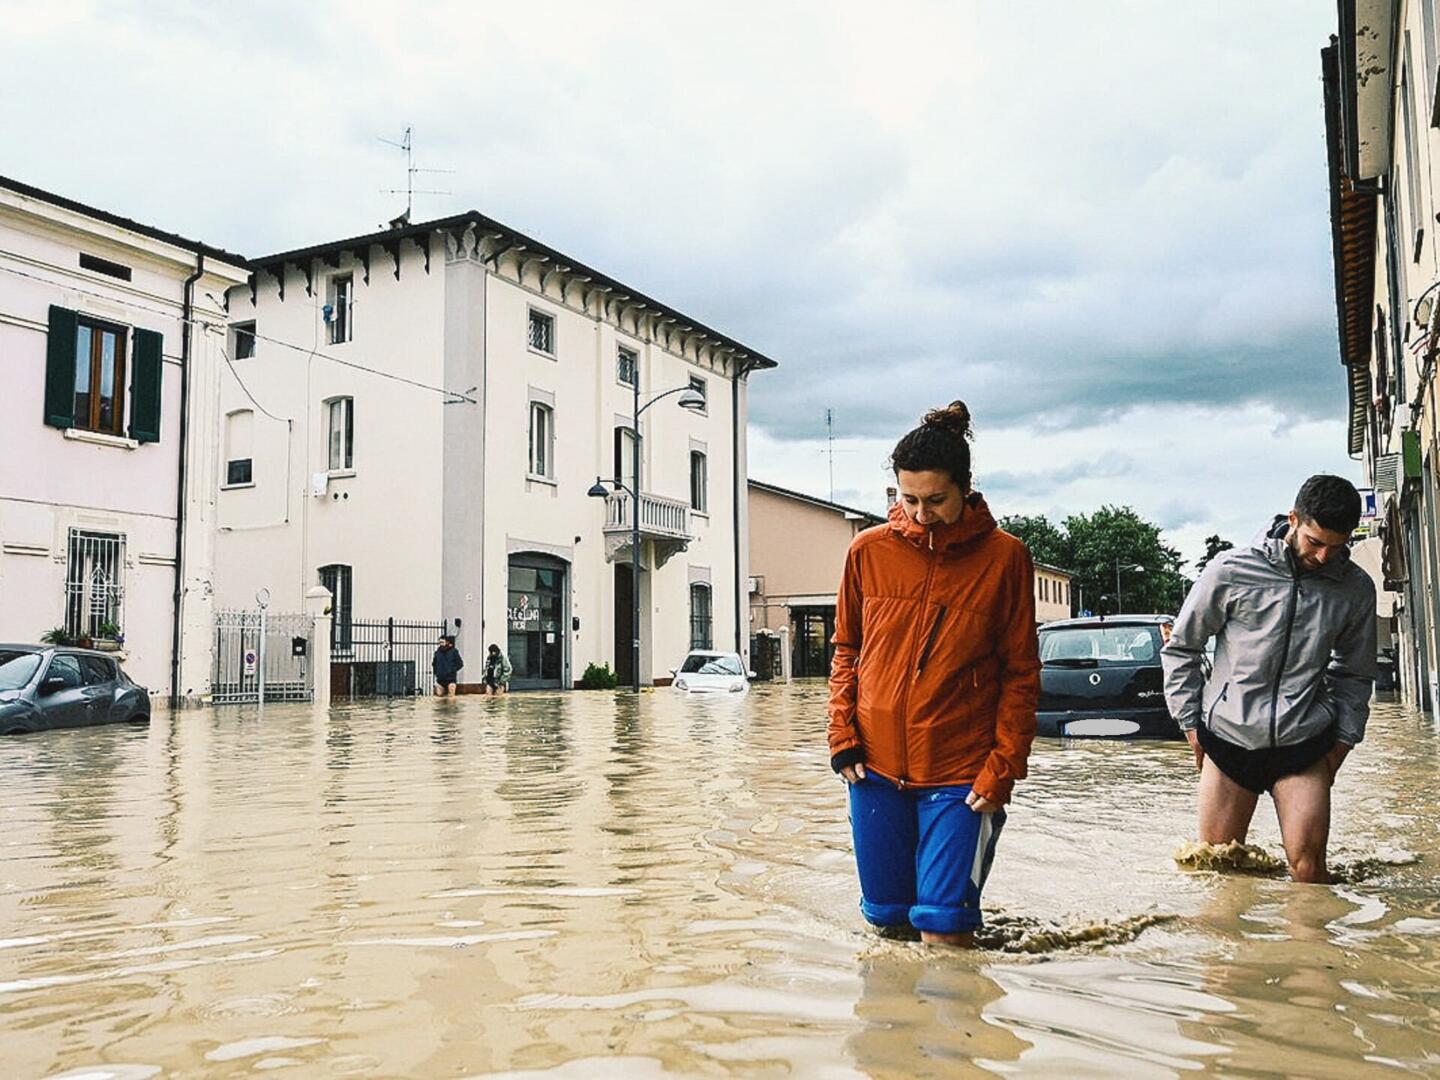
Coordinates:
[446,665]
[1293,621]
[933,688]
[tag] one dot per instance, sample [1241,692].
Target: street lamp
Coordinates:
[1120,596]
[691,399]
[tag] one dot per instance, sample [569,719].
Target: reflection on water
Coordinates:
[586,885]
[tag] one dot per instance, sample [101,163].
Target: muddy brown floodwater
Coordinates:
[582,885]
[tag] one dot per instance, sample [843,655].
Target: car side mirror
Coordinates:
[51,685]
[750,675]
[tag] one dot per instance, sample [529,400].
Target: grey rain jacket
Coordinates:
[1294,651]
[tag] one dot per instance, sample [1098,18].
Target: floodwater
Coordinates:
[580,885]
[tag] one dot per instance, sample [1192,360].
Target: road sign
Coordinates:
[250,659]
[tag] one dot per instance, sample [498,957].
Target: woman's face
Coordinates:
[930,497]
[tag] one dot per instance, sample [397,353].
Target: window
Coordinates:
[341,300]
[99,378]
[625,457]
[242,341]
[542,440]
[627,366]
[98,670]
[94,583]
[67,669]
[342,433]
[698,385]
[337,578]
[239,433]
[698,482]
[1412,172]
[542,332]
[700,616]
[105,266]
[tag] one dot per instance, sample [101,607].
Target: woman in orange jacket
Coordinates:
[933,688]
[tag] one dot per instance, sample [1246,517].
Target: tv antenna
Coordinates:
[407,144]
[830,440]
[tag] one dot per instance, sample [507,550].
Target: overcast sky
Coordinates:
[1102,224]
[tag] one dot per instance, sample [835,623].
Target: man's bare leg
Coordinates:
[1225,807]
[1302,803]
[965,940]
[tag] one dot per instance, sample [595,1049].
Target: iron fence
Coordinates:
[385,658]
[259,652]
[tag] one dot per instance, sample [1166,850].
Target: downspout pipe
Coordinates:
[739,481]
[187,308]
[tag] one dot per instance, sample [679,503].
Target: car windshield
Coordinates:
[710,665]
[17,668]
[1091,646]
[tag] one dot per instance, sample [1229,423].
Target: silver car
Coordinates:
[43,687]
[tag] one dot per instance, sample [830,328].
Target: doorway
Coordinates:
[535,615]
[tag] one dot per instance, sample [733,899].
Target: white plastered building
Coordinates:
[106,504]
[416,417]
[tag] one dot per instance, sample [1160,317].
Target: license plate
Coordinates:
[1101,725]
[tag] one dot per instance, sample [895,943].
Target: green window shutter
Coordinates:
[147,368]
[60,369]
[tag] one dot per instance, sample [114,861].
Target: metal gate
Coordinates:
[384,657]
[259,653]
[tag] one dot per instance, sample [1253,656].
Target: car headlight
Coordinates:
[681,684]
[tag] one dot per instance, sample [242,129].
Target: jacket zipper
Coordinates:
[904,725]
[930,640]
[1284,656]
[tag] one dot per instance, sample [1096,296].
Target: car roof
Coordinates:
[1108,620]
[68,650]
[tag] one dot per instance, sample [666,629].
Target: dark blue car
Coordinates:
[45,686]
[1101,677]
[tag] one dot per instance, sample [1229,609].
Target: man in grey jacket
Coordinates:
[1293,621]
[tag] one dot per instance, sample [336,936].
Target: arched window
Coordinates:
[701,621]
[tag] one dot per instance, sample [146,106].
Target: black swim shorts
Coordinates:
[1257,770]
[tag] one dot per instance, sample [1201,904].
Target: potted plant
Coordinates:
[110,638]
[57,636]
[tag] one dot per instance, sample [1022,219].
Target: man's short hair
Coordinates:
[451,637]
[1330,502]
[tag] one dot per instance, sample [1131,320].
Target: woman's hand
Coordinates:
[980,804]
[853,774]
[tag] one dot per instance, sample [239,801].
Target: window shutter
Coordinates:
[60,369]
[147,367]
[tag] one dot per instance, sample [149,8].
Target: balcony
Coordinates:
[664,522]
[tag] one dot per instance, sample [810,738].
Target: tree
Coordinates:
[1213,546]
[1122,561]
[1046,542]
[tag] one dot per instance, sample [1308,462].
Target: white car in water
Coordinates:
[707,672]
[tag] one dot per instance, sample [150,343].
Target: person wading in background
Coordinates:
[933,688]
[1294,626]
[446,665]
[497,671]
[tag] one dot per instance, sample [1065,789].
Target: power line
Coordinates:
[223,328]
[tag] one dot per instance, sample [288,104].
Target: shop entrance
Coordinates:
[535,615]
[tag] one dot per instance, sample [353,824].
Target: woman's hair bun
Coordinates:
[953,419]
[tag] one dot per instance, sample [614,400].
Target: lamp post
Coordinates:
[691,399]
[1119,595]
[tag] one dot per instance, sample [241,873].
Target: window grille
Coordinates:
[627,366]
[337,578]
[701,624]
[94,583]
[542,332]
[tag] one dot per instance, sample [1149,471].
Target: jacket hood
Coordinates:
[1272,543]
[975,522]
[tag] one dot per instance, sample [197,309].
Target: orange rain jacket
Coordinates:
[937,671]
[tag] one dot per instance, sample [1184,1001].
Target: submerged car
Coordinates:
[1101,677]
[44,687]
[707,672]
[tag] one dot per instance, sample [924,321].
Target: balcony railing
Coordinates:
[659,517]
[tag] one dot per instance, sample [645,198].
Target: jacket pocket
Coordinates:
[1210,716]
